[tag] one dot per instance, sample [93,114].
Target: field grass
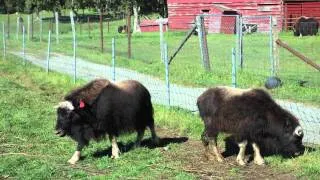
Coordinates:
[187,68]
[30,150]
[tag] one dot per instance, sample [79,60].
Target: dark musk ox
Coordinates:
[103,108]
[305,26]
[251,116]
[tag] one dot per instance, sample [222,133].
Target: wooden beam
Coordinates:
[298,54]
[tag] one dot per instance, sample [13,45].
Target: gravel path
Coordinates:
[180,96]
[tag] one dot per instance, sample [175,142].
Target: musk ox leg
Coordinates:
[76,155]
[115,149]
[240,158]
[210,144]
[155,138]
[139,138]
[257,159]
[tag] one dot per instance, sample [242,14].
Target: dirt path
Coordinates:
[191,154]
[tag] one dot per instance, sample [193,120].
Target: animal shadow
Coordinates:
[148,143]
[232,148]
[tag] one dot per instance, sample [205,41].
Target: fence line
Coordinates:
[164,92]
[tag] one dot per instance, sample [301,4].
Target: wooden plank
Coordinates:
[298,54]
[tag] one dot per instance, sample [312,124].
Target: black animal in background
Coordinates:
[306,26]
[251,116]
[103,108]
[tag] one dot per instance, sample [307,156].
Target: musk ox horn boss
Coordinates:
[103,108]
[250,116]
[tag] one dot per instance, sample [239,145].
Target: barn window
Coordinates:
[205,11]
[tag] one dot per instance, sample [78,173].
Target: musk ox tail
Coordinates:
[87,93]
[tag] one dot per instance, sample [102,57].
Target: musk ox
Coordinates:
[250,116]
[103,108]
[306,26]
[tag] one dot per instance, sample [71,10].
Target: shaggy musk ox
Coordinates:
[306,26]
[100,108]
[250,116]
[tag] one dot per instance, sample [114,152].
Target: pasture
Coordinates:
[186,68]
[29,148]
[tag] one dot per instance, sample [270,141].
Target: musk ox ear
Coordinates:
[298,131]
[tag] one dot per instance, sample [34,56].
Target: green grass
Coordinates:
[30,150]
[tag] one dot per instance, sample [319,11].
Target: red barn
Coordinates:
[181,13]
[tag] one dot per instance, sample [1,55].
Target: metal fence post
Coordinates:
[57,26]
[48,53]
[40,35]
[18,27]
[271,47]
[23,45]
[4,41]
[203,42]
[161,38]
[165,53]
[74,47]
[113,60]
[28,28]
[234,68]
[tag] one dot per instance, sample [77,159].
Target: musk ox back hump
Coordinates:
[226,98]
[87,93]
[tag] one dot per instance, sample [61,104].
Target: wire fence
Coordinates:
[249,41]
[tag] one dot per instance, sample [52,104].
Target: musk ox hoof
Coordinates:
[115,157]
[219,159]
[73,161]
[209,157]
[259,162]
[241,162]
[156,141]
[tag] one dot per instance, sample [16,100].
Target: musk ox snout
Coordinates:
[60,132]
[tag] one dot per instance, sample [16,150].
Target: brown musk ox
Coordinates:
[102,108]
[251,116]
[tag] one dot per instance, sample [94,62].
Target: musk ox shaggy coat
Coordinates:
[102,107]
[250,116]
[306,26]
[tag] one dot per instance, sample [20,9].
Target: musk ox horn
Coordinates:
[298,131]
[65,104]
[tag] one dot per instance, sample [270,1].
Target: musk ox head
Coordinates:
[288,138]
[64,118]
[291,141]
[74,120]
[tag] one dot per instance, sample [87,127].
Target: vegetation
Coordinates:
[30,150]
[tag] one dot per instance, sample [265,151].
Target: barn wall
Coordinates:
[183,12]
[294,10]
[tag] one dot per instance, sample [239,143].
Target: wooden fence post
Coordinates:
[203,43]
[57,26]
[74,47]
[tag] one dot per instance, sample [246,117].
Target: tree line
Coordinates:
[111,7]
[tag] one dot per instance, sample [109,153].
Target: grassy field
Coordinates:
[187,68]
[30,150]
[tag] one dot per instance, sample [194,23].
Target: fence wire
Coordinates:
[251,34]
